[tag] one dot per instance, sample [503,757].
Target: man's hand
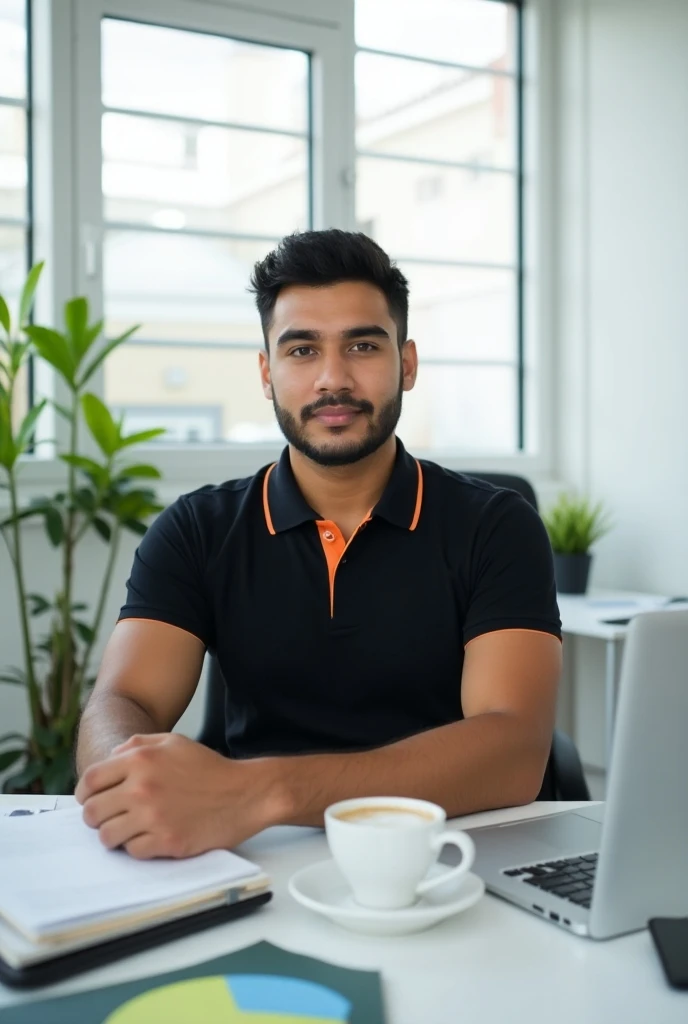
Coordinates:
[163,795]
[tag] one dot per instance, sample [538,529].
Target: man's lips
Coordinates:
[336,415]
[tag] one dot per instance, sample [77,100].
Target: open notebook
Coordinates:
[62,890]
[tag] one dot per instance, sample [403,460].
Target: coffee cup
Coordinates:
[385,846]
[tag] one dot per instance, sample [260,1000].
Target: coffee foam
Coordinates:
[385,817]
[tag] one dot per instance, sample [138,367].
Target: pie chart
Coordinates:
[236,999]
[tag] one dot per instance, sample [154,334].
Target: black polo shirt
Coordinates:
[330,646]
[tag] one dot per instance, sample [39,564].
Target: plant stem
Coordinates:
[68,567]
[114,546]
[34,696]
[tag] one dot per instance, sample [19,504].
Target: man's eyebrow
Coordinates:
[297,334]
[350,334]
[365,331]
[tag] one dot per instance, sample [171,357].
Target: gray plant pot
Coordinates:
[571,572]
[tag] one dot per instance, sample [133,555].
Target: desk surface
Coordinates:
[581,613]
[491,964]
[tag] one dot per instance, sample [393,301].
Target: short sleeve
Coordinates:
[512,571]
[166,581]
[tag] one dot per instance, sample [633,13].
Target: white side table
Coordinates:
[583,615]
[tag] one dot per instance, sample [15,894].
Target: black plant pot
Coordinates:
[571,572]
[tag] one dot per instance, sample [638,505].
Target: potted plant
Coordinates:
[104,495]
[573,525]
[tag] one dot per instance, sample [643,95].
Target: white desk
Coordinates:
[581,615]
[490,965]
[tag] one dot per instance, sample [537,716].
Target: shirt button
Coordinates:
[328,535]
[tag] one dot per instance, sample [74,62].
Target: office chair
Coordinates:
[563,778]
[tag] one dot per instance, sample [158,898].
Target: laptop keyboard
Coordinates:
[572,878]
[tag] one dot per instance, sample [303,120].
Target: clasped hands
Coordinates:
[164,795]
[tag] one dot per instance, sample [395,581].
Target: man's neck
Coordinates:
[344,494]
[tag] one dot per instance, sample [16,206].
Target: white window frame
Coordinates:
[68,199]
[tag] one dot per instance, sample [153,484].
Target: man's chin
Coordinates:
[343,454]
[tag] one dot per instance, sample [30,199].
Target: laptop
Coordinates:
[604,870]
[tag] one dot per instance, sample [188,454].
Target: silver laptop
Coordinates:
[605,870]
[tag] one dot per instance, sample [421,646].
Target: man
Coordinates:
[384,626]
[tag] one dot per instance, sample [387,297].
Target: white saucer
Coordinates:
[322,888]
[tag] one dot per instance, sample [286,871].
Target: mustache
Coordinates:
[329,401]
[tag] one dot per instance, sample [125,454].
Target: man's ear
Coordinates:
[264,364]
[409,364]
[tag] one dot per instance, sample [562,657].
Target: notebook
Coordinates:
[61,890]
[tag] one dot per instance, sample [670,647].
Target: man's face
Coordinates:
[335,374]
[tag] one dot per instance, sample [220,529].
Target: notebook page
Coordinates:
[55,871]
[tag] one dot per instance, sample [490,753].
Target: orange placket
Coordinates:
[334,546]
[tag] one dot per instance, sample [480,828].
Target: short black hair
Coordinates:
[320,258]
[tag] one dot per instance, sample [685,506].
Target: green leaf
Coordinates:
[101,424]
[103,528]
[26,300]
[54,348]
[135,526]
[104,352]
[25,777]
[14,676]
[5,317]
[85,499]
[89,466]
[28,425]
[8,757]
[12,736]
[139,470]
[76,321]
[54,525]
[143,435]
[8,451]
[46,738]
[39,604]
[58,777]
[84,630]
[18,350]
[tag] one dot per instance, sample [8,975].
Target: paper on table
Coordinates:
[54,871]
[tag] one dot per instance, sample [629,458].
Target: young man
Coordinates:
[384,626]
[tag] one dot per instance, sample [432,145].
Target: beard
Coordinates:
[380,429]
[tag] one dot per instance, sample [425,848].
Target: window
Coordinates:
[205,166]
[15,204]
[438,175]
[191,137]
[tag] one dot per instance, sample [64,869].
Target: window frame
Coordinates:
[68,206]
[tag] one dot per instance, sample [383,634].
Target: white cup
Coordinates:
[385,846]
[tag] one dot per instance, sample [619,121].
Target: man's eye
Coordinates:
[365,346]
[301,351]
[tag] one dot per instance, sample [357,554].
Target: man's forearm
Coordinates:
[108,719]
[480,763]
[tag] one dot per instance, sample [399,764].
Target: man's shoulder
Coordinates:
[224,501]
[462,487]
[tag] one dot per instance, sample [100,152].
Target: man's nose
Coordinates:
[333,374]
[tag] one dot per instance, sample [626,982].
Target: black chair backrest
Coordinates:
[515,483]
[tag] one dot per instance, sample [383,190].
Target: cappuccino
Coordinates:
[386,817]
